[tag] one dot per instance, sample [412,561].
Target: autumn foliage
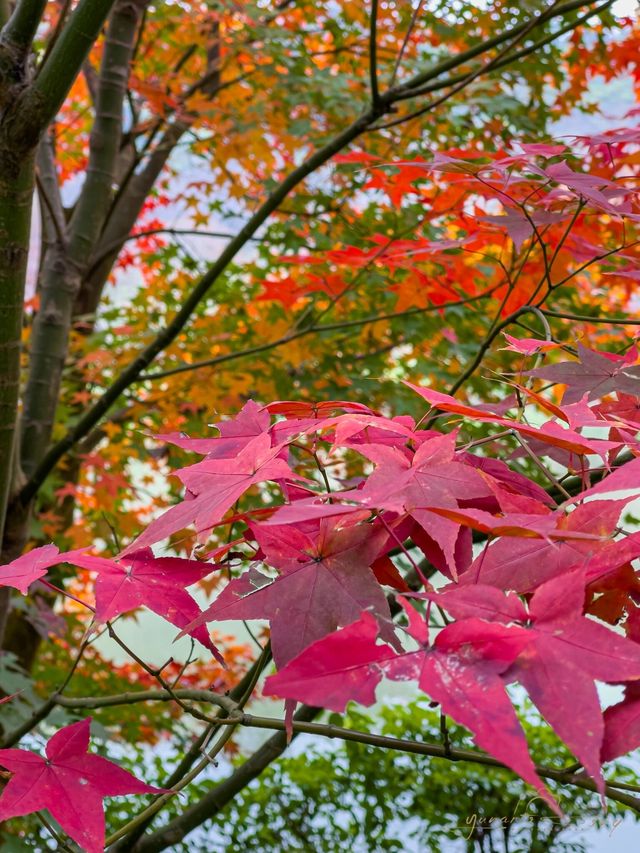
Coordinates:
[325,364]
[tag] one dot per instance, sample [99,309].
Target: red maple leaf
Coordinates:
[550,432]
[235,433]
[595,374]
[70,782]
[523,564]
[325,581]
[342,667]
[432,477]
[461,671]
[214,485]
[566,652]
[517,524]
[142,579]
[30,567]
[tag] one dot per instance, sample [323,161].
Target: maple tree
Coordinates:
[373,225]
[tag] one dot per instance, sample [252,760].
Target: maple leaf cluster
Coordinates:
[378,575]
[536,216]
[451,242]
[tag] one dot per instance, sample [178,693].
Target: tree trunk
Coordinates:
[17,177]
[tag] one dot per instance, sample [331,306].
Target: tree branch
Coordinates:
[405,41]
[49,190]
[410,88]
[64,263]
[63,11]
[461,80]
[168,334]
[106,135]
[310,330]
[16,197]
[214,801]
[122,217]
[584,318]
[373,55]
[36,108]
[240,694]
[502,59]
[21,27]
[133,697]
[435,750]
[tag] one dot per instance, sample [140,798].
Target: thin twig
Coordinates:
[405,41]
[373,55]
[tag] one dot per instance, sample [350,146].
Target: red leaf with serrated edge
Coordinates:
[565,653]
[463,552]
[528,346]
[481,602]
[71,783]
[325,581]
[300,409]
[544,149]
[594,374]
[215,485]
[524,564]
[235,433]
[625,407]
[511,480]
[313,509]
[549,433]
[433,476]
[341,668]
[30,567]
[462,671]
[141,579]
[568,652]
[357,430]
[622,727]
[522,525]
[511,502]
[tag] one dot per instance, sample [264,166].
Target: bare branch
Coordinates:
[373,55]
[215,800]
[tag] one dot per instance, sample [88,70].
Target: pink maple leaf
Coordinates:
[30,567]
[141,579]
[594,374]
[70,782]
[214,486]
[325,581]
